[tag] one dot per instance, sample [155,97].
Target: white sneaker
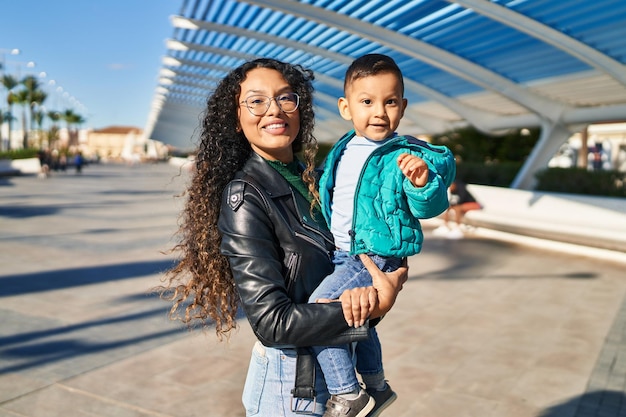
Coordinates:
[455,234]
[361,406]
[441,230]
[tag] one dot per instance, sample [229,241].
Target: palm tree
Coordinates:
[22,98]
[36,114]
[36,101]
[9,82]
[36,96]
[4,117]
[72,119]
[54,117]
[39,117]
[32,96]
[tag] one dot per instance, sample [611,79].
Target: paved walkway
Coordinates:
[483,328]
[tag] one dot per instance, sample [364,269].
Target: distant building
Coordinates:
[598,146]
[122,143]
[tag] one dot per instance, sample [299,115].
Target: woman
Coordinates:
[252,236]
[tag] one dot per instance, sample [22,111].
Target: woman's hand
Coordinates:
[359,304]
[387,285]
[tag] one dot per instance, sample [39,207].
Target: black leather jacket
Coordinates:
[278,257]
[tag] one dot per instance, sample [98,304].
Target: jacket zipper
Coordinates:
[291,270]
[312,241]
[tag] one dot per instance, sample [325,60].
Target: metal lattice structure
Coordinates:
[497,64]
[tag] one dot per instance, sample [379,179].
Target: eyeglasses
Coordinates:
[259,105]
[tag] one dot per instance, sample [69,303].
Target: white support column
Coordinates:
[553,135]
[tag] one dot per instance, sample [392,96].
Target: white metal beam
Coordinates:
[477,117]
[423,51]
[547,34]
[553,135]
[430,123]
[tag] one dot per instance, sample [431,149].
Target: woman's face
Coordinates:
[271,134]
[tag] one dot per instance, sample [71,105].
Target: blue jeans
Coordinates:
[270,379]
[336,361]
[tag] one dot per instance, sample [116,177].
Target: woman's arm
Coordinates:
[249,240]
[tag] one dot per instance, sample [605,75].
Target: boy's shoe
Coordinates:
[337,406]
[383,400]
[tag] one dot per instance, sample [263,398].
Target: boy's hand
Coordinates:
[414,168]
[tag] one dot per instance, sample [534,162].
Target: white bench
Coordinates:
[583,220]
[20,166]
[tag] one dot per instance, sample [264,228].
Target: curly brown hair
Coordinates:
[201,284]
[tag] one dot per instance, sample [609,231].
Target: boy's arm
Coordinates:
[439,158]
[428,201]
[431,199]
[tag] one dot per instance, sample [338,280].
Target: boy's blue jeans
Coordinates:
[336,361]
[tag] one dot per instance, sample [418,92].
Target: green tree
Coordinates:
[72,119]
[36,96]
[54,117]
[22,99]
[4,118]
[32,97]
[9,82]
[39,116]
[489,159]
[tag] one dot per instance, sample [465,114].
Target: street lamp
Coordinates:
[13,51]
[18,65]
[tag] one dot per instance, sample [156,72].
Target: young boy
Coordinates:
[375,187]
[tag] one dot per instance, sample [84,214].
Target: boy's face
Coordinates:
[375,105]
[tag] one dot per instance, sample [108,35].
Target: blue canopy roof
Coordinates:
[493,64]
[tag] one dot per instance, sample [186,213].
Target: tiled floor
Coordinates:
[483,328]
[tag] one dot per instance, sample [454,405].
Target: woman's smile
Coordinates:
[272,133]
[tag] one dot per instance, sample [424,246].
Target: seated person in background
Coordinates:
[461,201]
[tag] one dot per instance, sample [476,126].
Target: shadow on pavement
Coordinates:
[46,352]
[481,258]
[596,403]
[74,277]
[24,212]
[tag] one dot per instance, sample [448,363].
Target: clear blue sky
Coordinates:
[105,53]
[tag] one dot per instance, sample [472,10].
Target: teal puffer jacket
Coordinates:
[387,207]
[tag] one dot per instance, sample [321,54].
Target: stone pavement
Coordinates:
[483,328]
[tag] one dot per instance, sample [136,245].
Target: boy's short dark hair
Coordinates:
[371,64]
